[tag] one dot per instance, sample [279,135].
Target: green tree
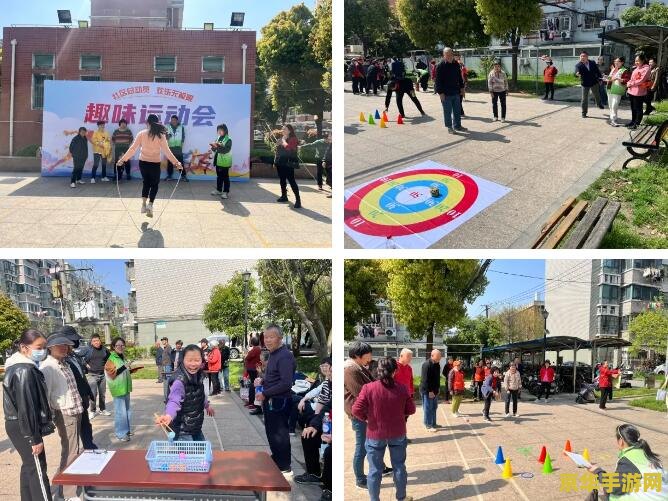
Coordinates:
[649,330]
[510,20]
[430,294]
[263,110]
[484,331]
[394,42]
[655,14]
[321,40]
[306,287]
[366,21]
[286,57]
[225,310]
[363,282]
[450,22]
[12,322]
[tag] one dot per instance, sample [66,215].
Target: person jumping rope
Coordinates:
[151,140]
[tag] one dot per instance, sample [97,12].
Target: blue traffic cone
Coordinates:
[377,115]
[499,456]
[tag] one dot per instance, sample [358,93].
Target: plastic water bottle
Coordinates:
[327,424]
[258,389]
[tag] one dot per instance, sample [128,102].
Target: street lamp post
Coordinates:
[246,276]
[545,315]
[606,4]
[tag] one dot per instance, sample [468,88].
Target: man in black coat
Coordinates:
[590,75]
[79,152]
[430,385]
[449,85]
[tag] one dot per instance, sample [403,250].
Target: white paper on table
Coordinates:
[89,463]
[580,461]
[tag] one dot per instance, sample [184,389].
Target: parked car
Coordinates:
[660,369]
[235,351]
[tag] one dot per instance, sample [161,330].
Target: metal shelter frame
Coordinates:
[560,343]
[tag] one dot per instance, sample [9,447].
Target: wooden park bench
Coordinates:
[645,141]
[590,223]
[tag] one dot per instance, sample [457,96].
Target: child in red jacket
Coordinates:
[545,378]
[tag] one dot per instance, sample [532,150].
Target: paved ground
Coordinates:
[457,462]
[46,212]
[545,153]
[238,431]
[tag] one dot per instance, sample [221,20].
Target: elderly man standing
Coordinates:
[430,385]
[404,373]
[276,396]
[449,85]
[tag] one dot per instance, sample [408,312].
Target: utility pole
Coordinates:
[486,310]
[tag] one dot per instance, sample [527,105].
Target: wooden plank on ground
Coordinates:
[586,225]
[604,223]
[553,220]
[553,240]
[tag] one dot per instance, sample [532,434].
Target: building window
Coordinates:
[612,265]
[212,80]
[164,79]
[43,61]
[609,293]
[561,52]
[639,292]
[90,62]
[38,90]
[213,63]
[165,63]
[90,78]
[592,20]
[608,324]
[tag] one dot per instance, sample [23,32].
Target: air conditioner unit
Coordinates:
[389,332]
[566,35]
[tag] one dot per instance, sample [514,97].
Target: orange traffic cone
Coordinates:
[385,117]
[400,120]
[543,452]
[362,119]
[507,470]
[567,447]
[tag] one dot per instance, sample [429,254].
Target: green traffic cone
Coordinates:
[547,466]
[371,120]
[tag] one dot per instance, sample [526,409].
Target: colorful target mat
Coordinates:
[414,208]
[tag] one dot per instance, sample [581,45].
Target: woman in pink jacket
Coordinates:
[637,89]
[152,141]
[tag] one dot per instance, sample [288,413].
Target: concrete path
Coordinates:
[545,152]
[231,429]
[457,462]
[46,212]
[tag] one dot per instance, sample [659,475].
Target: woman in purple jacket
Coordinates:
[377,405]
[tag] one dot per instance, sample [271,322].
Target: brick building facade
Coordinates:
[112,54]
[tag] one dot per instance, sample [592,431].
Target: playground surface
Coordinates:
[46,212]
[232,428]
[457,461]
[544,153]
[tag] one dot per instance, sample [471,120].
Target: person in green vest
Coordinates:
[117,370]
[635,458]
[616,83]
[176,136]
[222,159]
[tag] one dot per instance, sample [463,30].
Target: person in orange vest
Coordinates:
[545,378]
[456,386]
[605,376]
[478,379]
[488,367]
[549,74]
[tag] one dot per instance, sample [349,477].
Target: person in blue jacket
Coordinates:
[491,388]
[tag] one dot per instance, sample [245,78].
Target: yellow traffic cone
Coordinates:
[362,118]
[383,125]
[585,454]
[507,470]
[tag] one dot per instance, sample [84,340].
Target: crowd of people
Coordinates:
[379,400]
[607,86]
[52,384]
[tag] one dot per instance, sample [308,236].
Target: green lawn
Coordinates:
[527,84]
[649,403]
[642,222]
[632,392]
[307,365]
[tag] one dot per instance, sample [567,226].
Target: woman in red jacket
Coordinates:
[251,362]
[545,378]
[214,366]
[384,405]
[605,376]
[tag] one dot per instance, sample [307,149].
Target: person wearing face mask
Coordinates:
[28,416]
[187,401]
[65,402]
